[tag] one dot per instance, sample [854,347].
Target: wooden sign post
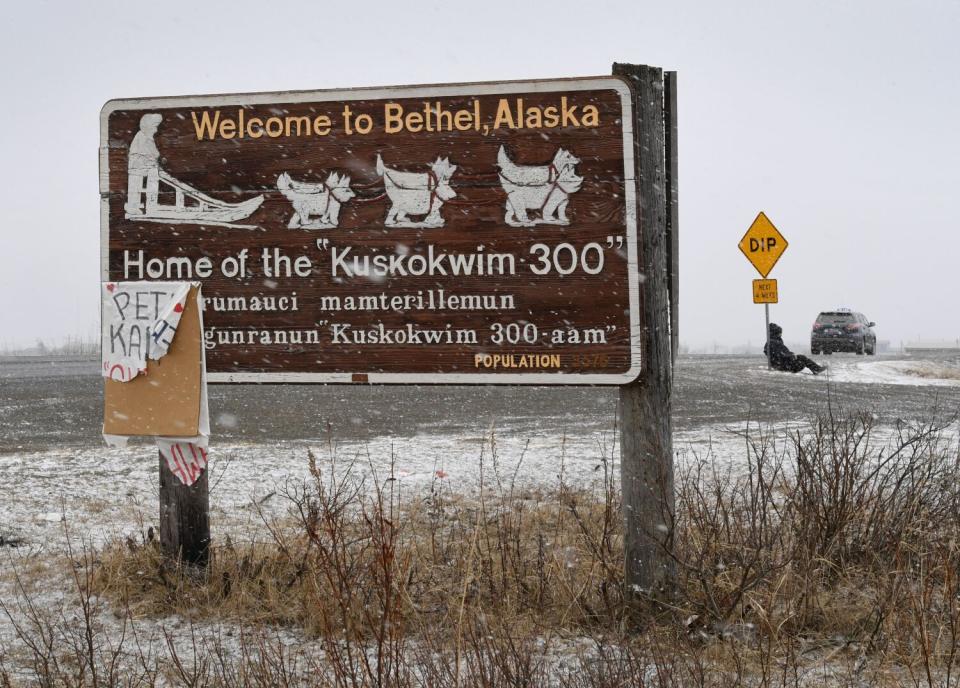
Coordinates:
[646,454]
[184,517]
[454,234]
[165,400]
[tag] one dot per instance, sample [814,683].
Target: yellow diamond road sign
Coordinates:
[763,245]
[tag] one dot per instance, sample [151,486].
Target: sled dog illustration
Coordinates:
[320,200]
[417,193]
[146,179]
[545,188]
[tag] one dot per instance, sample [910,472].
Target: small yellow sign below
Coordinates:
[763,245]
[765,291]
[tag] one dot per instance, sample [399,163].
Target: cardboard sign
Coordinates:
[166,399]
[472,233]
[763,244]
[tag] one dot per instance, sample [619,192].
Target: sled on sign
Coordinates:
[146,179]
[194,206]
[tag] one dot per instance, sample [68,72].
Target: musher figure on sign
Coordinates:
[781,358]
[143,167]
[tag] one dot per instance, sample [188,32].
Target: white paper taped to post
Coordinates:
[155,369]
[139,322]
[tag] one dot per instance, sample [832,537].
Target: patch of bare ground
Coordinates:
[830,560]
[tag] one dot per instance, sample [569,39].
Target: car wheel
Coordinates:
[872,351]
[814,352]
[827,352]
[860,347]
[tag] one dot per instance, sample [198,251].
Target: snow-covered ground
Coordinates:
[865,370]
[103,492]
[58,475]
[901,372]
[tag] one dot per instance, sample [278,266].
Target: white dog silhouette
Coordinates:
[320,199]
[544,188]
[417,193]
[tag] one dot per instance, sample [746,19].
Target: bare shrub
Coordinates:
[66,645]
[830,556]
[825,536]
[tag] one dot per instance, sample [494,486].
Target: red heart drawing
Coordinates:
[111,287]
[178,308]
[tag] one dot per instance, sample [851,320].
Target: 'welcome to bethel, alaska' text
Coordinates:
[511,113]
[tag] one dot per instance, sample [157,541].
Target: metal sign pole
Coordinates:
[763,245]
[766,308]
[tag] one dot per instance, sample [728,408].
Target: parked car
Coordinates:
[843,330]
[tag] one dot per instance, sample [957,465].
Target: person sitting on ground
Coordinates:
[781,358]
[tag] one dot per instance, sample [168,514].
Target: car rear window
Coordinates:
[836,318]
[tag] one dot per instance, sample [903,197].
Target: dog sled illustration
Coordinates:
[545,189]
[318,200]
[146,179]
[417,193]
[536,194]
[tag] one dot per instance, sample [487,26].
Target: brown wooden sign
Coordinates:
[471,233]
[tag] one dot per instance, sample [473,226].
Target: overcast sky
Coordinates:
[838,119]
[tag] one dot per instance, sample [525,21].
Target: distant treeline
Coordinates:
[70,345]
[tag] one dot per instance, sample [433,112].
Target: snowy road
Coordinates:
[58,405]
[53,460]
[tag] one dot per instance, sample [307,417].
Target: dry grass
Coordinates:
[831,560]
[356,558]
[934,371]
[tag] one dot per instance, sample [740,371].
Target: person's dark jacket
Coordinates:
[781,357]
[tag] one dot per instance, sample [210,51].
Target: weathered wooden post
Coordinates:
[673,214]
[184,517]
[162,395]
[645,405]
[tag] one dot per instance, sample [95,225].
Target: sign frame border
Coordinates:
[618,84]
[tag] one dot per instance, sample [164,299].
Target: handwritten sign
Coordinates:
[152,359]
[478,233]
[138,322]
